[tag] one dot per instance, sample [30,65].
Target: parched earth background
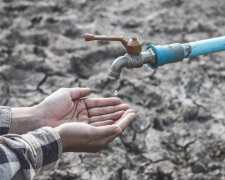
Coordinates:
[179,131]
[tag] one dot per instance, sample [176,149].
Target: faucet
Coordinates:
[134,58]
[158,55]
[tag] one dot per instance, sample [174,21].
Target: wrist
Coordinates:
[25,119]
[59,130]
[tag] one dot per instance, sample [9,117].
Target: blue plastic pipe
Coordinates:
[177,52]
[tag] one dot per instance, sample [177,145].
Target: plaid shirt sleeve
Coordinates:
[24,156]
[5,119]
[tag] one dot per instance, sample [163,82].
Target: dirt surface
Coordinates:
[178,133]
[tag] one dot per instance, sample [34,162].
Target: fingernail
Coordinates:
[117,130]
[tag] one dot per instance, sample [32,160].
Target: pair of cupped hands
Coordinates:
[84,124]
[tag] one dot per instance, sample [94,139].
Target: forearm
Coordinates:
[25,119]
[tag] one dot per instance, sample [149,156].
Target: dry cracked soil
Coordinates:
[179,131]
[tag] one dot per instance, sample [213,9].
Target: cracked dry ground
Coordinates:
[178,133]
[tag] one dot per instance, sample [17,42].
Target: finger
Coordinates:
[101,102]
[113,116]
[125,121]
[77,93]
[122,124]
[127,112]
[105,131]
[103,123]
[107,110]
[129,116]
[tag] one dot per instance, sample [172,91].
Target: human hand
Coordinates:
[65,105]
[82,137]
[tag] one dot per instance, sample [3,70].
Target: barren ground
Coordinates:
[178,133]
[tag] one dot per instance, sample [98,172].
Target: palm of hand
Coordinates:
[60,108]
[70,111]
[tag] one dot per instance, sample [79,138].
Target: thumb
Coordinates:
[105,131]
[77,93]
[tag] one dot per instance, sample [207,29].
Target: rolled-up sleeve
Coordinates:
[5,119]
[23,156]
